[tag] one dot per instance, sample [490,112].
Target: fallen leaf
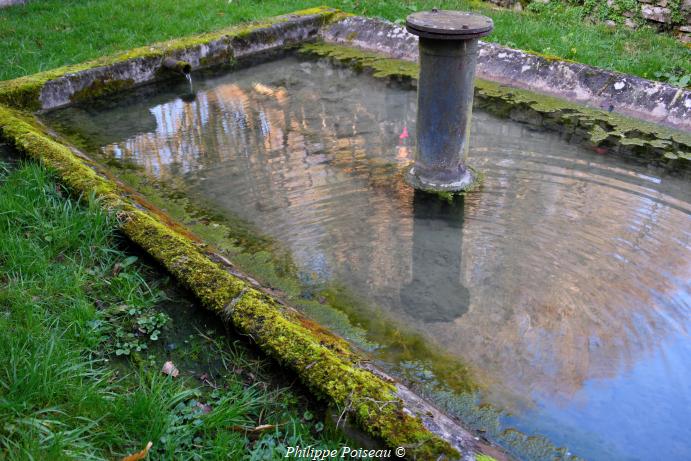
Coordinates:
[139,455]
[170,369]
[263,427]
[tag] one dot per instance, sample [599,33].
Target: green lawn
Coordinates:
[45,34]
[82,345]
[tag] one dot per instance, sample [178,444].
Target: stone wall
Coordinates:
[4,3]
[666,15]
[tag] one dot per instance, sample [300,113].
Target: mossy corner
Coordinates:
[325,364]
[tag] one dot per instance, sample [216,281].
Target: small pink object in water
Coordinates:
[404,135]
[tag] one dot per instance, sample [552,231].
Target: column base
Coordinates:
[456,180]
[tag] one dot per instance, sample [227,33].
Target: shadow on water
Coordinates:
[436,294]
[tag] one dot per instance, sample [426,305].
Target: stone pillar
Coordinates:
[448,54]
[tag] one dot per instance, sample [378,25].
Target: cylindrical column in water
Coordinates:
[448,54]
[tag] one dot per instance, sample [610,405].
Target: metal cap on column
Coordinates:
[448,54]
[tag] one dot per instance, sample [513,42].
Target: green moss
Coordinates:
[101,88]
[398,344]
[374,403]
[23,93]
[269,263]
[265,260]
[656,143]
[450,196]
[445,195]
[325,363]
[28,138]
[599,127]
[380,65]
[214,287]
[598,134]
[484,458]
[253,253]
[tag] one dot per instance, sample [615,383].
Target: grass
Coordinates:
[69,299]
[49,33]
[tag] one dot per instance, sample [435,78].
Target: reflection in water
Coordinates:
[575,267]
[435,294]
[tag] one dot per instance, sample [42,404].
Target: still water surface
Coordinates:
[564,282]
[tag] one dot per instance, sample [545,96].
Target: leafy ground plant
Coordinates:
[676,77]
[84,336]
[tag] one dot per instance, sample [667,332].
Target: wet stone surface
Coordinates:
[447,24]
[562,282]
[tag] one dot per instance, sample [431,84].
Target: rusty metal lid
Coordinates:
[448,24]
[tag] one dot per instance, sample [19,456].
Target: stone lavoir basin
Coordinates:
[549,309]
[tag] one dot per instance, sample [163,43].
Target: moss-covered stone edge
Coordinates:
[604,131]
[25,92]
[324,363]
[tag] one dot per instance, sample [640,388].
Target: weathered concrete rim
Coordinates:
[587,85]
